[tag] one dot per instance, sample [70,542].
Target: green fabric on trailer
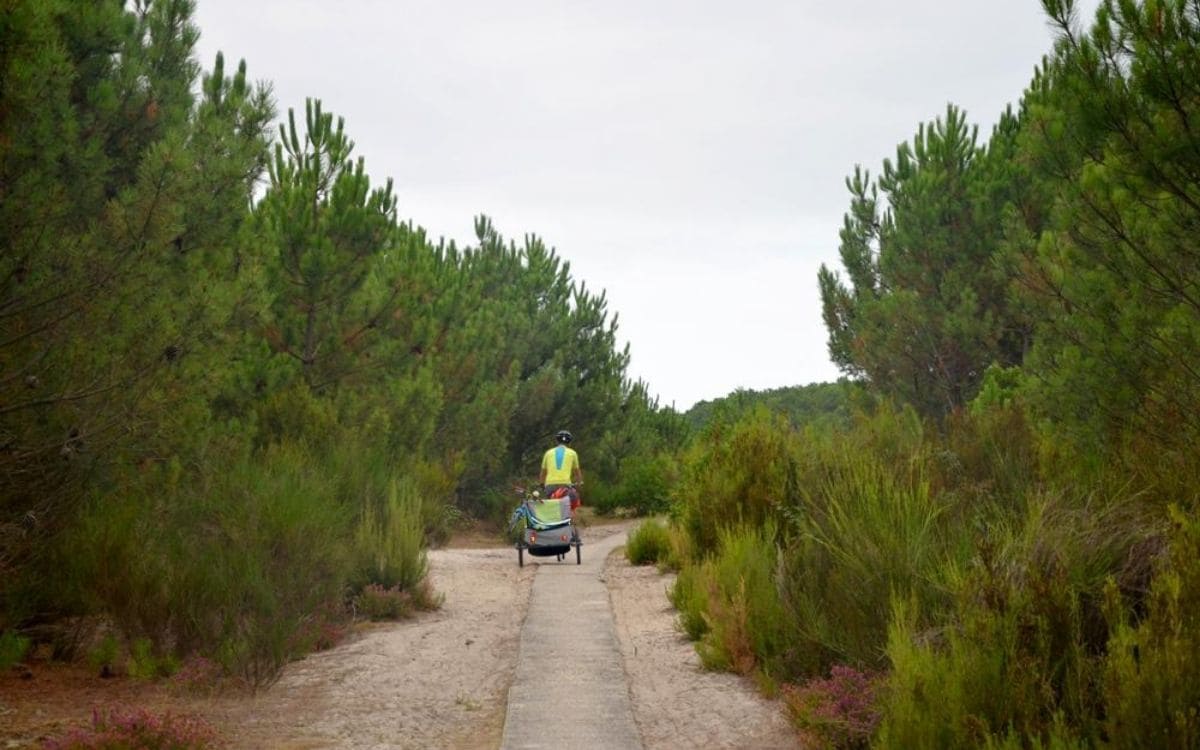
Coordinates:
[551,511]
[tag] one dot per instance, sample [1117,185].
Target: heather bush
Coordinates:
[323,629]
[198,674]
[122,729]
[377,602]
[649,543]
[840,711]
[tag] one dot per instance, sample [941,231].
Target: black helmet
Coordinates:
[563,436]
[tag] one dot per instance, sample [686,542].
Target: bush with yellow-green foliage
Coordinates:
[1151,694]
[865,533]
[389,543]
[688,596]
[735,474]
[240,558]
[749,631]
[958,563]
[649,543]
[1020,654]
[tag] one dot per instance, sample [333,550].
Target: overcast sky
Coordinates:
[686,157]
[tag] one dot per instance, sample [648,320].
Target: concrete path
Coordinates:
[570,689]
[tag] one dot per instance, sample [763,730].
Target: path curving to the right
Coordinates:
[570,689]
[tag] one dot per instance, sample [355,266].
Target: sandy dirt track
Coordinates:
[441,680]
[676,703]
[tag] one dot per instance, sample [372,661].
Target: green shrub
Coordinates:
[1152,695]
[144,664]
[865,533]
[231,562]
[103,656]
[736,475]
[688,597]
[987,455]
[362,472]
[389,541]
[748,628]
[649,543]
[643,486]
[12,649]
[1017,655]
[679,549]
[970,690]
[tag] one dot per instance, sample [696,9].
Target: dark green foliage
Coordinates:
[327,228]
[802,405]
[114,277]
[736,474]
[643,486]
[525,351]
[1149,686]
[1117,269]
[926,311]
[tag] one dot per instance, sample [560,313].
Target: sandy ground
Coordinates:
[675,702]
[438,681]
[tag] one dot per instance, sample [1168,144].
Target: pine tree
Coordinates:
[1118,268]
[328,230]
[116,240]
[925,312]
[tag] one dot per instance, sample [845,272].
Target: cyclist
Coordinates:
[560,470]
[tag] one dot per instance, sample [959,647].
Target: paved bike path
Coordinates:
[570,690]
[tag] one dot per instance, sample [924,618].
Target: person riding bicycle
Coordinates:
[560,470]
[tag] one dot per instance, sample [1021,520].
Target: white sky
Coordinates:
[687,157]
